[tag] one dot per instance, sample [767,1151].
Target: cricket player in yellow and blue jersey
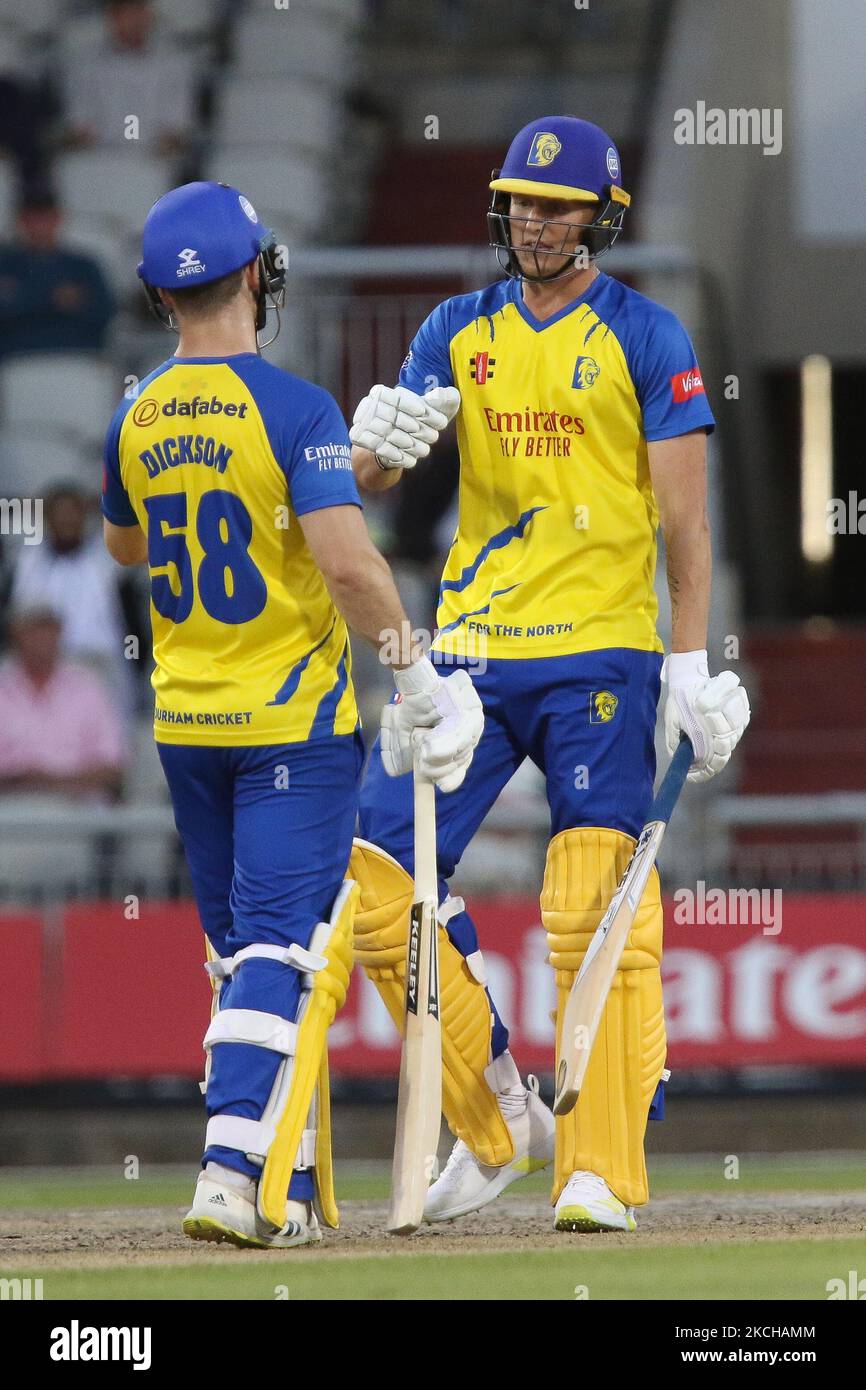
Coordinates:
[582,423]
[233,481]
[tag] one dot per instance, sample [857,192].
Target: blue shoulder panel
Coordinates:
[428,361]
[116,506]
[306,432]
[661,360]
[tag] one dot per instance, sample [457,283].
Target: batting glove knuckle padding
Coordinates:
[399,426]
[713,712]
[449,708]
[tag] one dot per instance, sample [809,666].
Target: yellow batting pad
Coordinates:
[604,1133]
[327,995]
[381,935]
[324,1172]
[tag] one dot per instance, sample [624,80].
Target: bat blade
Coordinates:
[586,1002]
[588,996]
[420,1093]
[419,1103]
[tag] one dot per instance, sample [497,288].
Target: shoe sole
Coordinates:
[210,1229]
[491,1192]
[580,1219]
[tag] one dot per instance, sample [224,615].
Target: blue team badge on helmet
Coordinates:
[612,161]
[586,371]
[545,148]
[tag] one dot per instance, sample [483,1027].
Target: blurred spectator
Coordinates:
[131,75]
[51,299]
[71,573]
[24,116]
[58,731]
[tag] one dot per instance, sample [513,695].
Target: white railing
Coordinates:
[117,832]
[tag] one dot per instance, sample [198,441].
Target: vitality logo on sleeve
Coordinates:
[687,384]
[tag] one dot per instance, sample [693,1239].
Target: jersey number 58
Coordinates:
[230,587]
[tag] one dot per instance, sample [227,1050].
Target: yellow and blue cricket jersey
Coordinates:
[555,549]
[216,458]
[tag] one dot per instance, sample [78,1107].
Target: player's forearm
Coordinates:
[368,475]
[689,570]
[368,599]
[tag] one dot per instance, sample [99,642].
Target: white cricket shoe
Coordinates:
[586,1203]
[224,1209]
[467,1184]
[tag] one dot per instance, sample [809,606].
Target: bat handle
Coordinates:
[426,875]
[672,782]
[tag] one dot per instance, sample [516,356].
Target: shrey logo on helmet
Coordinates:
[189,262]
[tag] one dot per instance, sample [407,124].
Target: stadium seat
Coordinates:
[116,255]
[318,47]
[117,184]
[277,111]
[30,19]
[80,35]
[349,13]
[69,393]
[293,188]
[197,18]
[32,460]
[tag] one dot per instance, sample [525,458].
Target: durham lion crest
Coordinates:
[602,706]
[586,371]
[545,148]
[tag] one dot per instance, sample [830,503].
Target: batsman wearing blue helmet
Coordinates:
[232,481]
[581,423]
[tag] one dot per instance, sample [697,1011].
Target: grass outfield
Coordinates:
[53,1189]
[781,1231]
[771,1270]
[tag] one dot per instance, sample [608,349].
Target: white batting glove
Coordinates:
[714,713]
[442,400]
[399,426]
[449,707]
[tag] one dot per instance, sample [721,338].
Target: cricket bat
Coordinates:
[586,1002]
[419,1101]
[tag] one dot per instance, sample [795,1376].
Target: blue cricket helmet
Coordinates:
[198,233]
[559,157]
[201,232]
